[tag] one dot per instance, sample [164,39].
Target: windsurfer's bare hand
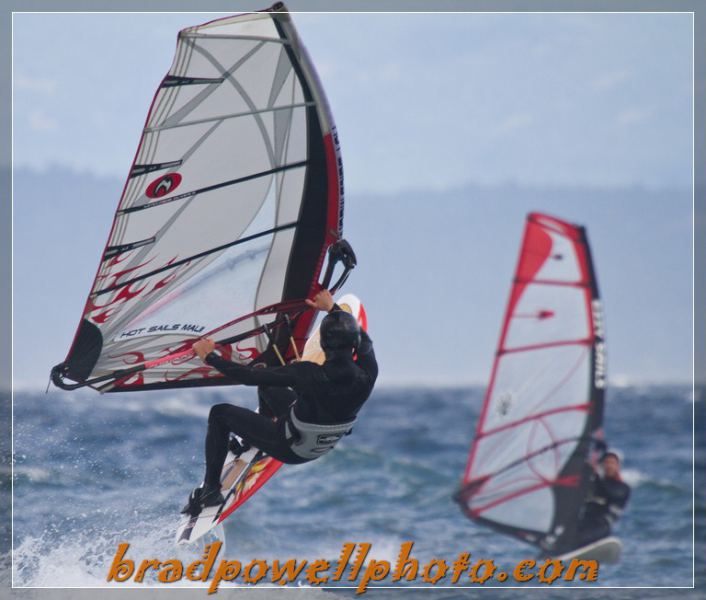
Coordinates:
[322,301]
[204,347]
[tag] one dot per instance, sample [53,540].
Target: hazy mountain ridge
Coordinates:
[434,270]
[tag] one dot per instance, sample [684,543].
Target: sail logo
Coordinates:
[186,328]
[599,369]
[598,324]
[504,403]
[339,169]
[599,375]
[163,185]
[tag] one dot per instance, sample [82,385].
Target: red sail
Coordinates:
[526,473]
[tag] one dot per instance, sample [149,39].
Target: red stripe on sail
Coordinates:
[534,417]
[530,347]
[569,481]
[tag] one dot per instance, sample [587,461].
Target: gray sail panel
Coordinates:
[228,204]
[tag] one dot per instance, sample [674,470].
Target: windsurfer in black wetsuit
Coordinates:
[305,408]
[605,503]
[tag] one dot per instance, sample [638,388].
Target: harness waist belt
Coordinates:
[311,440]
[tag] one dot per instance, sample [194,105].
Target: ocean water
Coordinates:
[92,471]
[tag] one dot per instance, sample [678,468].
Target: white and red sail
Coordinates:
[527,472]
[234,196]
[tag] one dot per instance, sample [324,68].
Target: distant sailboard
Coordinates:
[528,471]
[242,476]
[233,200]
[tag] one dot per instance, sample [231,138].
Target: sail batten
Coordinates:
[527,471]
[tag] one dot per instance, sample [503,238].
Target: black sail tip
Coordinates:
[57,376]
[84,353]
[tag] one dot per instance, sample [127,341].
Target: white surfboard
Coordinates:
[234,471]
[351,304]
[242,477]
[606,550]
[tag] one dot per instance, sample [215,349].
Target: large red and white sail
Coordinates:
[527,472]
[233,198]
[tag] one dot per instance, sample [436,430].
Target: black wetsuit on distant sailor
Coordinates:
[315,394]
[604,506]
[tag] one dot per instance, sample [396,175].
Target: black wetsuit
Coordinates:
[603,508]
[328,393]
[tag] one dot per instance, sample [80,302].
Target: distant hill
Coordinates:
[434,271]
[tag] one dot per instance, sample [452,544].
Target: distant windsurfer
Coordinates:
[305,408]
[605,503]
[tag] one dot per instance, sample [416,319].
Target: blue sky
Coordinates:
[588,116]
[430,101]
